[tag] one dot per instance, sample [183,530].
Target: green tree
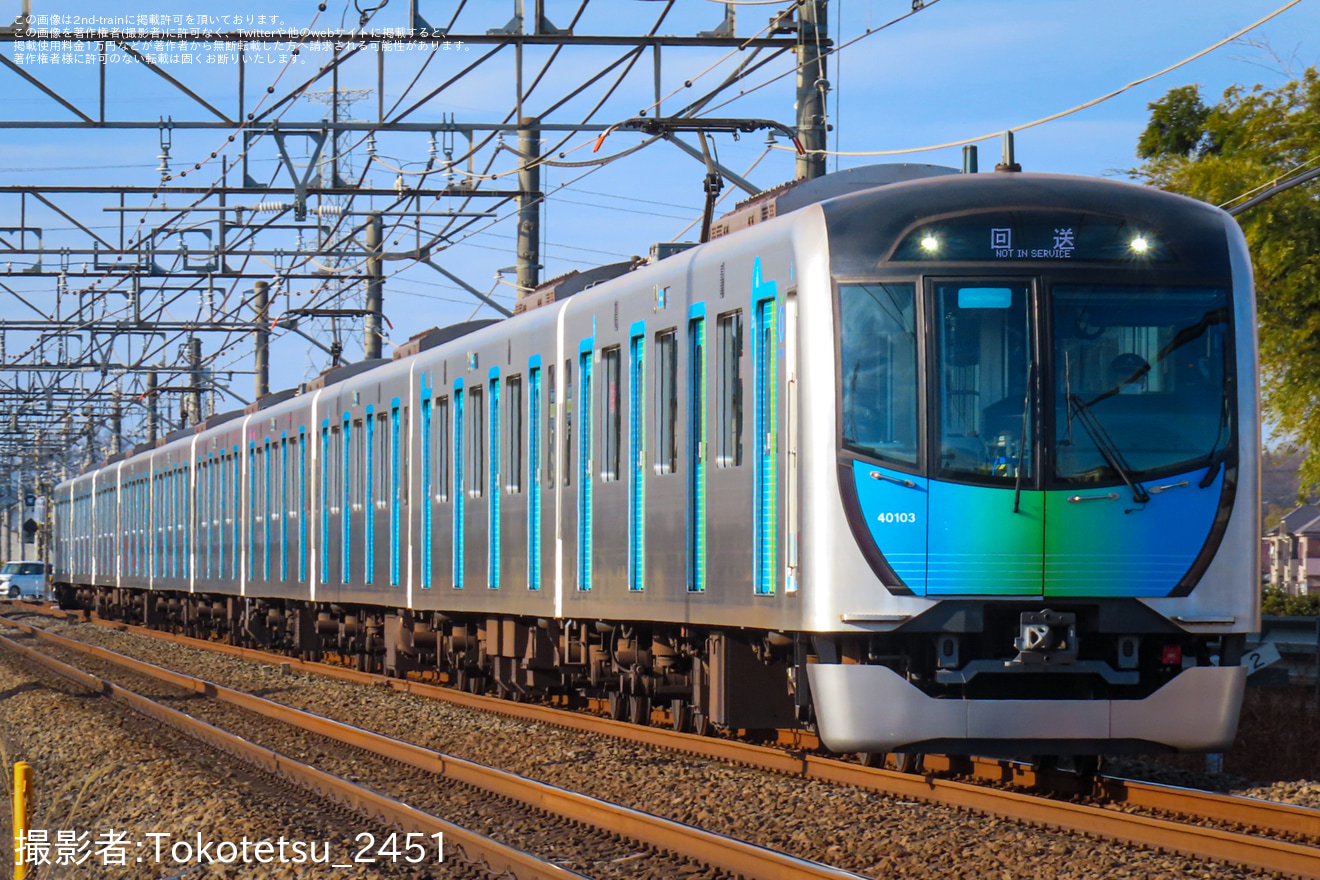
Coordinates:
[1177,125]
[1246,140]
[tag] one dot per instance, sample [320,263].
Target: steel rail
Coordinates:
[730,854]
[1265,853]
[377,807]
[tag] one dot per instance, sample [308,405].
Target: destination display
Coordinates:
[1033,235]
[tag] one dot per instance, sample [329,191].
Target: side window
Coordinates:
[550,427]
[613,405]
[666,401]
[357,462]
[568,423]
[441,478]
[514,404]
[333,456]
[730,403]
[400,440]
[382,485]
[476,442]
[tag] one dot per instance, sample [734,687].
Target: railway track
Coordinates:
[1278,842]
[710,850]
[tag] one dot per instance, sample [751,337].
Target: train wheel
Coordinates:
[872,759]
[639,709]
[700,724]
[910,762]
[679,714]
[618,705]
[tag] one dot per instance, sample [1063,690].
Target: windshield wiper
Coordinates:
[1105,445]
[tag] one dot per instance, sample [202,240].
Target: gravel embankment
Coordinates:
[100,768]
[586,850]
[853,829]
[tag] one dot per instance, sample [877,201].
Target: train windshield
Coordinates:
[983,343]
[879,369]
[1140,379]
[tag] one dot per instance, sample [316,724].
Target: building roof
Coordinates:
[1302,520]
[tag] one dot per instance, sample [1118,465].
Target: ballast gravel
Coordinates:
[858,830]
[103,771]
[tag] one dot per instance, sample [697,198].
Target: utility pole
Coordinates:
[195,372]
[151,407]
[371,342]
[529,205]
[261,304]
[116,424]
[812,87]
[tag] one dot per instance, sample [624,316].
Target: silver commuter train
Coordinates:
[864,466]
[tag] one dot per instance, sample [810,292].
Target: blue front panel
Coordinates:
[978,546]
[1102,545]
[896,516]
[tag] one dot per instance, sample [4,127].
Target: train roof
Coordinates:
[865,227]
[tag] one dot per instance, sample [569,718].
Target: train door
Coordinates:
[986,517]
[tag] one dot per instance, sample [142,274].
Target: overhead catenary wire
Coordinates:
[1061,114]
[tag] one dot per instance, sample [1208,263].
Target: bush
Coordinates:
[1275,601]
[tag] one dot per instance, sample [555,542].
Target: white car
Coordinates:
[24,580]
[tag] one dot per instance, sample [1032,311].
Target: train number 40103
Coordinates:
[896,518]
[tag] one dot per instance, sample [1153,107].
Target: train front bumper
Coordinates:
[873,709]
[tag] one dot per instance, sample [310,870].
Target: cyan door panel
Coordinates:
[979,546]
[1105,544]
[894,506]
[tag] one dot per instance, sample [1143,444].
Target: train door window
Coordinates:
[584,470]
[325,499]
[568,423]
[302,504]
[729,406]
[442,447]
[984,358]
[369,499]
[395,490]
[403,452]
[550,426]
[514,465]
[185,520]
[174,521]
[666,401]
[212,521]
[534,484]
[266,511]
[765,433]
[459,474]
[476,441]
[493,499]
[696,450]
[428,469]
[878,369]
[283,508]
[236,488]
[612,404]
[354,439]
[637,459]
[254,512]
[346,490]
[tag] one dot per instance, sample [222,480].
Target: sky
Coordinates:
[954,70]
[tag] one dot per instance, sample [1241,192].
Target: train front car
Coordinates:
[1046,430]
